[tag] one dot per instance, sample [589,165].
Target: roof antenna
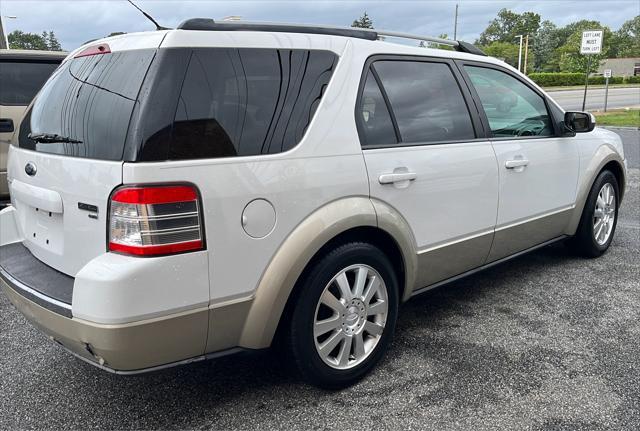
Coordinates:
[149,17]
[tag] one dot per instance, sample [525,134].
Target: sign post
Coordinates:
[591,44]
[607,75]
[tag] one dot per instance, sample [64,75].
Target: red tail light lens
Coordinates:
[103,48]
[152,221]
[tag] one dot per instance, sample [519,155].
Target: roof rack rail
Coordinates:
[208,24]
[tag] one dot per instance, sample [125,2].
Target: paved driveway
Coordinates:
[546,342]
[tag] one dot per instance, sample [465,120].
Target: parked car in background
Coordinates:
[184,194]
[22,73]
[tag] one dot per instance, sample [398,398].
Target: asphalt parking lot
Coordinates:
[546,342]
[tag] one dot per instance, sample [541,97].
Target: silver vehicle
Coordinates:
[184,194]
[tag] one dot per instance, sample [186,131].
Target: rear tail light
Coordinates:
[151,221]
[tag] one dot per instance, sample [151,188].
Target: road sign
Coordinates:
[591,42]
[607,73]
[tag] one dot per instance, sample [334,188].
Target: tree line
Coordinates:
[551,48]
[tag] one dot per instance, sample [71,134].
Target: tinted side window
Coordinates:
[375,122]
[241,102]
[20,81]
[512,108]
[426,100]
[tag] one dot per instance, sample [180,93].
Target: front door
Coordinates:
[538,169]
[426,158]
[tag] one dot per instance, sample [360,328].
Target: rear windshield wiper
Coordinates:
[52,138]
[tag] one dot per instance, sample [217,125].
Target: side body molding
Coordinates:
[298,249]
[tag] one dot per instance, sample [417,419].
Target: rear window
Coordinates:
[229,102]
[88,100]
[21,80]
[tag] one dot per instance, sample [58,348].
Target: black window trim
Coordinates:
[556,123]
[478,127]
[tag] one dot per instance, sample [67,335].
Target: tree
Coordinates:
[363,22]
[45,42]
[507,52]
[508,25]
[52,41]
[547,39]
[626,41]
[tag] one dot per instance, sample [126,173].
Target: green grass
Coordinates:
[618,117]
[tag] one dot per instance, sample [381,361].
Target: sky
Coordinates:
[77,21]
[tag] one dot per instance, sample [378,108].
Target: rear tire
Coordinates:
[599,217]
[344,315]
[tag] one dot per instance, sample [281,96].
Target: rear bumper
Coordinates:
[127,348]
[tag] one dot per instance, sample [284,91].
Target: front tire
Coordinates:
[344,315]
[599,217]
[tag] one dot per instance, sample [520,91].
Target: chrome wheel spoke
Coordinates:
[361,279]
[358,346]
[374,285]
[331,301]
[599,213]
[323,326]
[345,352]
[330,344]
[373,328]
[343,285]
[379,307]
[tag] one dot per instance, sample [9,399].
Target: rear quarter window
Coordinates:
[232,102]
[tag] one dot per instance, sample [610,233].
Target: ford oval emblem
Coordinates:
[31,169]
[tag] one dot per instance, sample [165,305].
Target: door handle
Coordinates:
[397,177]
[6,125]
[516,163]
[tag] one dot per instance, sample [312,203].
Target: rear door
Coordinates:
[69,153]
[427,158]
[538,168]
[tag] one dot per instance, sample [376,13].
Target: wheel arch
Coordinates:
[606,158]
[344,220]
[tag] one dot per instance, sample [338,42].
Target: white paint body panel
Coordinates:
[113,288]
[547,184]
[73,237]
[451,179]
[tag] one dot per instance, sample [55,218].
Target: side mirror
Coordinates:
[579,122]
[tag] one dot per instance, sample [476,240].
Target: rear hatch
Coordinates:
[70,146]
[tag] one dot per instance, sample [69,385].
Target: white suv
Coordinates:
[184,194]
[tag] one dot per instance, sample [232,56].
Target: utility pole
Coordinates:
[526,54]
[4,39]
[455,25]
[520,54]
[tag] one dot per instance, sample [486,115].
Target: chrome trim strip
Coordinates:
[487,266]
[534,218]
[12,282]
[455,241]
